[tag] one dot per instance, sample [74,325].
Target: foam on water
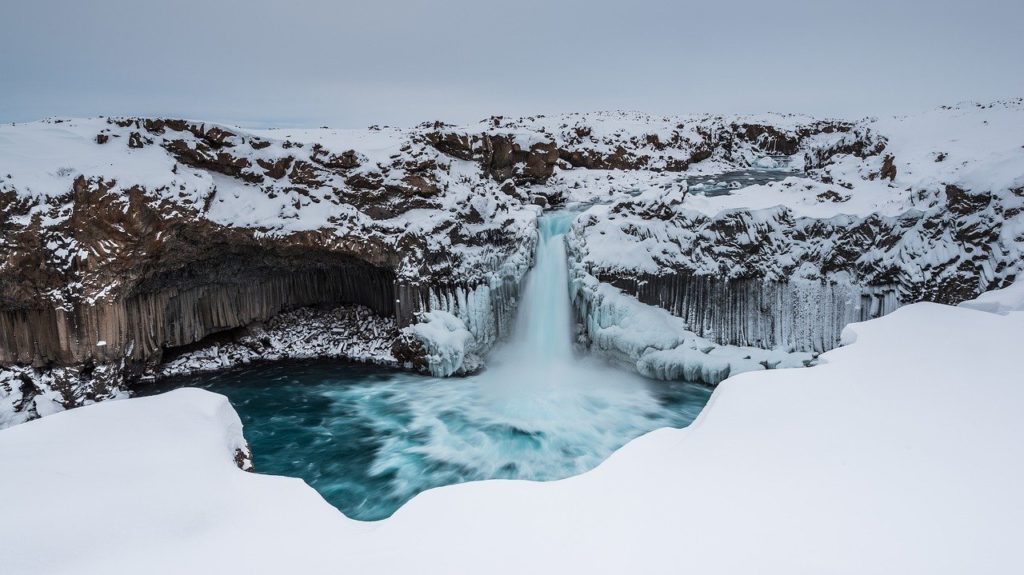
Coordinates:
[370,439]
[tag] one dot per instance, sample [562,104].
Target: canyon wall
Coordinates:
[804,315]
[140,326]
[185,230]
[125,238]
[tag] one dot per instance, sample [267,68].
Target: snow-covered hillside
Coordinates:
[898,454]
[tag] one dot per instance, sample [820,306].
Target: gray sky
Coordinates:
[400,62]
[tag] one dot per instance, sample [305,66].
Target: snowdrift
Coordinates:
[899,453]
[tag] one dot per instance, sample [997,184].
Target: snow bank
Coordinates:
[896,455]
[1001,301]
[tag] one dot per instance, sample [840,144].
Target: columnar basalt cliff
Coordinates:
[875,223]
[124,241]
[794,314]
[182,305]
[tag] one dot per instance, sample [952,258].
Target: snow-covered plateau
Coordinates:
[132,248]
[898,453]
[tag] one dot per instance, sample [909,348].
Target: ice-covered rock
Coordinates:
[350,333]
[658,344]
[447,343]
[28,392]
[889,212]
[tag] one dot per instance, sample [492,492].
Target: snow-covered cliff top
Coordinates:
[431,182]
[101,211]
[368,187]
[905,200]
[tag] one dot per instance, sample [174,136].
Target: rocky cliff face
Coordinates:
[170,231]
[886,213]
[124,241]
[770,278]
[125,237]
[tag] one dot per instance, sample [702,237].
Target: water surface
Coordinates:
[368,439]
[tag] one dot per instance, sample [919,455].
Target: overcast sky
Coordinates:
[400,62]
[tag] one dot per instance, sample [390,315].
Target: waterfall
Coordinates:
[543,331]
[540,351]
[541,339]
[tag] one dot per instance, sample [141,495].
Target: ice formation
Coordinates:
[658,344]
[446,341]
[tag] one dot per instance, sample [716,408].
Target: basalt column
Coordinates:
[179,307]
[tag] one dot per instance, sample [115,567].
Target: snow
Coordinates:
[350,333]
[980,144]
[896,455]
[445,340]
[1001,301]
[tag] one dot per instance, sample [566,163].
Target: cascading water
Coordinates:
[370,439]
[543,331]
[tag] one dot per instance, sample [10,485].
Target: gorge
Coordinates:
[370,439]
[136,249]
[400,326]
[530,288]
